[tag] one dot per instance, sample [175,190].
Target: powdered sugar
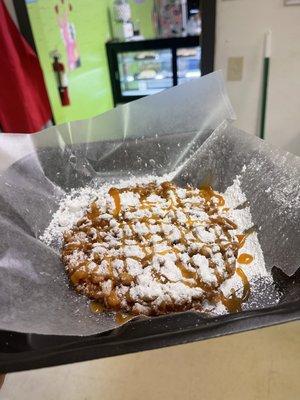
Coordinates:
[74,205]
[203,270]
[164,237]
[234,194]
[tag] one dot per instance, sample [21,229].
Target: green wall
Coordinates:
[143,13]
[89,85]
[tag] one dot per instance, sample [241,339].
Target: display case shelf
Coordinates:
[142,68]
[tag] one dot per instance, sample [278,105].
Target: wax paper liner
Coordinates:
[183,129]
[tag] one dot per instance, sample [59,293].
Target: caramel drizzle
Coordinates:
[121,318]
[96,307]
[115,194]
[93,215]
[245,258]
[234,303]
[207,193]
[242,239]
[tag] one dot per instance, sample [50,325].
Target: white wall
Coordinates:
[10,6]
[241,25]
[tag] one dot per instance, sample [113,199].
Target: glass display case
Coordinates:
[142,68]
[142,73]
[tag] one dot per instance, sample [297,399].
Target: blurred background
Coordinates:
[95,55]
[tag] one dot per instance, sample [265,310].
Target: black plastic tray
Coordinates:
[20,351]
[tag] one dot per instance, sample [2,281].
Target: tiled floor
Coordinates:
[263,364]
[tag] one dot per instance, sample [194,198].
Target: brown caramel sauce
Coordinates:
[234,303]
[207,193]
[245,258]
[115,194]
[242,240]
[77,276]
[96,307]
[94,212]
[186,274]
[121,318]
[246,284]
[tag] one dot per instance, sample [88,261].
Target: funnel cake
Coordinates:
[155,248]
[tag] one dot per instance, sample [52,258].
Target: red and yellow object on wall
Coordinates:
[61,79]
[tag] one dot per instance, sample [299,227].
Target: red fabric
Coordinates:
[24,103]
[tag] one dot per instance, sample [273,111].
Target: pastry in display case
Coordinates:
[187,52]
[147,74]
[145,55]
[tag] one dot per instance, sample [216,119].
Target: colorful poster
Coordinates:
[63,11]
